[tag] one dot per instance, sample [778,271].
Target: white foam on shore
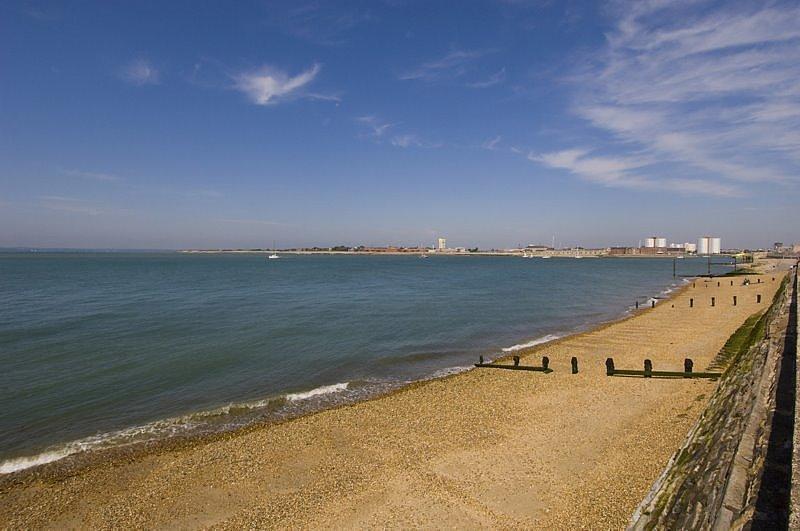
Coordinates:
[324,390]
[533,343]
[449,371]
[153,430]
[21,463]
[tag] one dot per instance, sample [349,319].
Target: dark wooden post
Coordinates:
[653,303]
[758,299]
[734,300]
[574,365]
[759,281]
[717,284]
[731,282]
[688,365]
[545,362]
[693,285]
[691,303]
[609,366]
[516,361]
[480,360]
[713,301]
[648,369]
[637,305]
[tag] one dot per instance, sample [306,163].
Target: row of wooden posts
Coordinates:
[611,370]
[713,302]
[713,299]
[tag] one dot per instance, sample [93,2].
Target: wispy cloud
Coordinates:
[377,131]
[454,64]
[492,143]
[95,176]
[710,89]
[140,72]
[495,79]
[411,140]
[320,23]
[378,128]
[628,172]
[405,141]
[268,85]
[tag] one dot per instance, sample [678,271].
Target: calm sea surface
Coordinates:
[111,348]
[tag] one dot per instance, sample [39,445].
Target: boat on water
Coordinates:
[274,255]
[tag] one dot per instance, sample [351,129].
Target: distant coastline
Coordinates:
[561,253]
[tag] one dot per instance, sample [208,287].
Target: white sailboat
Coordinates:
[274,255]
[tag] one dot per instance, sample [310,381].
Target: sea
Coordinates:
[108,349]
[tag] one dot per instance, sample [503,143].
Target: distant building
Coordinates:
[709,245]
[442,244]
[777,246]
[690,247]
[617,251]
[655,241]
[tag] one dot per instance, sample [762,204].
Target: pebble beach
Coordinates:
[484,448]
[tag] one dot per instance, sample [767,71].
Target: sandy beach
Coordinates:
[485,448]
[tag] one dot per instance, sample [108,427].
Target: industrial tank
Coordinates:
[702,245]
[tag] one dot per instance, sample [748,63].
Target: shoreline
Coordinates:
[78,461]
[447,440]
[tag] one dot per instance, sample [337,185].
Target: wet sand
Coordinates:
[486,448]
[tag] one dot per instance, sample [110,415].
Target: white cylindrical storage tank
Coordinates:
[715,245]
[650,242]
[702,245]
[661,242]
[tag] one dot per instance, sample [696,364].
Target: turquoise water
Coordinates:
[110,348]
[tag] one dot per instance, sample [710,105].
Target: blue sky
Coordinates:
[493,123]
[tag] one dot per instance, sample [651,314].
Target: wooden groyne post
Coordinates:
[648,372]
[545,367]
